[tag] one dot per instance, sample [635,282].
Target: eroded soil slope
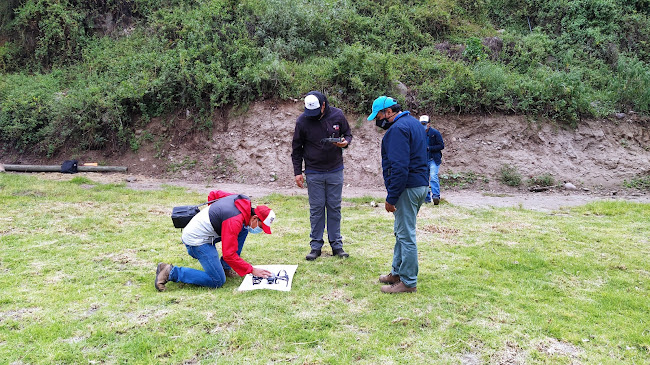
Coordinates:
[254,147]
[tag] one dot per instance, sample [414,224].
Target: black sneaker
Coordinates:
[313,255]
[436,201]
[340,253]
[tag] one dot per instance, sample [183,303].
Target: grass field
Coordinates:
[77,264]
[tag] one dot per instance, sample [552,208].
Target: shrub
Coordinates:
[641,182]
[542,180]
[579,60]
[474,50]
[461,179]
[509,175]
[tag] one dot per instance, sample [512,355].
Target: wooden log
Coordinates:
[57,168]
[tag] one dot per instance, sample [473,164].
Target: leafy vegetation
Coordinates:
[88,74]
[541,180]
[641,182]
[461,179]
[509,175]
[78,260]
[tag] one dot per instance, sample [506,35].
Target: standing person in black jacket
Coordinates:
[323,168]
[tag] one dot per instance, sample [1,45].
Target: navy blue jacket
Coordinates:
[307,142]
[435,144]
[404,156]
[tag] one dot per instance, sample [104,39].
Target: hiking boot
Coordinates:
[313,255]
[162,275]
[231,273]
[389,279]
[398,287]
[436,201]
[340,253]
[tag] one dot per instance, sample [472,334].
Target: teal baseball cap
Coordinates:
[380,104]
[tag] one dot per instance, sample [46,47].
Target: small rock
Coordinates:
[401,88]
[570,186]
[2,168]
[131,179]
[620,115]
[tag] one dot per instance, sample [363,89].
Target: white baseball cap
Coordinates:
[312,105]
[424,119]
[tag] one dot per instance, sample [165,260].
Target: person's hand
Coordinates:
[261,273]
[342,143]
[299,181]
[390,207]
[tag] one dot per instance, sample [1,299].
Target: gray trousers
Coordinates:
[325,191]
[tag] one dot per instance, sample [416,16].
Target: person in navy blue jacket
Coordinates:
[435,145]
[323,168]
[406,177]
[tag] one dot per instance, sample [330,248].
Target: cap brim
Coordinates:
[265,228]
[312,112]
[373,115]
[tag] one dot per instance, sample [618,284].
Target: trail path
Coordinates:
[542,201]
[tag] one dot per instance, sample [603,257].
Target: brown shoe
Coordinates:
[231,273]
[398,287]
[162,275]
[389,279]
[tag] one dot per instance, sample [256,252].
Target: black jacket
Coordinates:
[307,142]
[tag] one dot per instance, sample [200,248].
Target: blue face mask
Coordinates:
[255,230]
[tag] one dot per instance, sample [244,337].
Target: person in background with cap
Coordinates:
[323,168]
[229,220]
[406,177]
[435,145]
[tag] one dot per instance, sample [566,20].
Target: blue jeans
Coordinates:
[405,254]
[434,182]
[213,275]
[325,193]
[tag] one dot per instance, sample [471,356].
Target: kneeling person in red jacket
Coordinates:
[228,220]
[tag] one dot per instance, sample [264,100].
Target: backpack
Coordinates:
[182,215]
[69,167]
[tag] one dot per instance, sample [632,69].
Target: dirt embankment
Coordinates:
[254,148]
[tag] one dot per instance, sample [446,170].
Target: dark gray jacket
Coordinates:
[307,145]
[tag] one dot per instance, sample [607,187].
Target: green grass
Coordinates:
[77,263]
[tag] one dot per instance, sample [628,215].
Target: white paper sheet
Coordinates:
[282,280]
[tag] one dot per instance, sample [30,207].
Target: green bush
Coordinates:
[631,84]
[509,175]
[641,182]
[89,73]
[542,180]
